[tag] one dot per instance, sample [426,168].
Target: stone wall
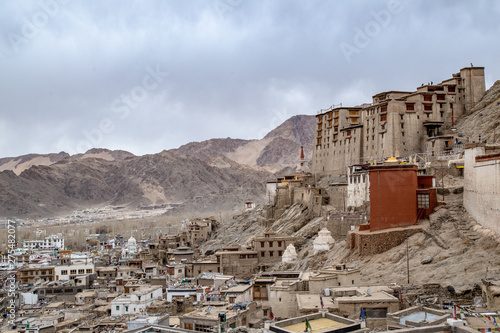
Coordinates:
[340,224]
[367,243]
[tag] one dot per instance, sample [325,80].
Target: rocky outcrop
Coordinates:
[484,119]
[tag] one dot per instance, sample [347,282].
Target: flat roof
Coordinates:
[376,296]
[392,91]
[238,289]
[317,325]
[418,317]
[309,301]
[212,314]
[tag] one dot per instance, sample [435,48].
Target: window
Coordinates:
[451,88]
[383,108]
[409,107]
[279,243]
[280,253]
[64,272]
[73,271]
[81,271]
[202,327]
[117,307]
[423,201]
[262,254]
[139,298]
[271,253]
[270,243]
[126,308]
[427,107]
[427,98]
[89,270]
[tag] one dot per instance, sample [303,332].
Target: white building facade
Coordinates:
[48,243]
[136,302]
[70,272]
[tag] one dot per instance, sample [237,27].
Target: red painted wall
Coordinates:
[393,196]
[425,181]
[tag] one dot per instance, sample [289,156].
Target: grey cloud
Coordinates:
[234,72]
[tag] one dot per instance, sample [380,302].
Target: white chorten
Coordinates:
[290,255]
[132,245]
[324,241]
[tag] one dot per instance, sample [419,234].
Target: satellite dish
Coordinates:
[368,291]
[208,309]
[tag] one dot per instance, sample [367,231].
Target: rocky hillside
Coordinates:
[278,149]
[484,119]
[142,180]
[20,163]
[217,174]
[453,251]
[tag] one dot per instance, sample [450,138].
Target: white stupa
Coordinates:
[290,255]
[324,241]
[132,245]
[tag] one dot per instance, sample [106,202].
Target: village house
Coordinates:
[270,247]
[72,271]
[281,292]
[207,319]
[33,274]
[184,291]
[242,263]
[135,302]
[376,301]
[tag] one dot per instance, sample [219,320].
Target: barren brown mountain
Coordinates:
[203,176]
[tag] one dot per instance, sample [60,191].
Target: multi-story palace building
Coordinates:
[397,123]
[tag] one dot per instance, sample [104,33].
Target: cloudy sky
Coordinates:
[144,76]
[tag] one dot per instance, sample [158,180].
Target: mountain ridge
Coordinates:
[198,176]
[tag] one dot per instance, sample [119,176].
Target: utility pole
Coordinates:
[407,261]
[442,179]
